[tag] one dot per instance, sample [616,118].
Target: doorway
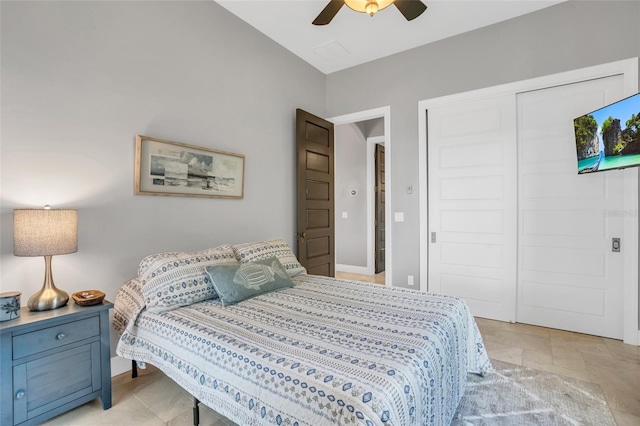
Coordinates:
[355,196]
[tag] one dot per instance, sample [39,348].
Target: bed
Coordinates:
[319,351]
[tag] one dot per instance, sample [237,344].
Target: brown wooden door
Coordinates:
[380,209]
[315,200]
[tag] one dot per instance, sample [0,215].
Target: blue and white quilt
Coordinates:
[326,351]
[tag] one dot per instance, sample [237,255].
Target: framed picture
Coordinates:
[173,168]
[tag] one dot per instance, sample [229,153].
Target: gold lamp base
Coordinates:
[49,297]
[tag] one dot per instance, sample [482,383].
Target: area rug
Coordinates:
[516,395]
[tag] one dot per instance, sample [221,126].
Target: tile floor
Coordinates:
[377,278]
[609,363]
[153,399]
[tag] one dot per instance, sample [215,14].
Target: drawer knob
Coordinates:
[20,394]
[61,336]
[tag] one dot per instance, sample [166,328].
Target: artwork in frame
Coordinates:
[172,168]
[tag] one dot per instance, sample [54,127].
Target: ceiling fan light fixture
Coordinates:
[369,7]
[410,9]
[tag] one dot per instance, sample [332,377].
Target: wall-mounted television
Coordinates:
[609,138]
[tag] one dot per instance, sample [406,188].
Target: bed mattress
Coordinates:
[326,351]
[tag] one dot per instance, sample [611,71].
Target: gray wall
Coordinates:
[371,128]
[564,37]
[374,127]
[81,79]
[351,174]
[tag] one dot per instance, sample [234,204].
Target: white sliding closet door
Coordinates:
[568,276]
[472,204]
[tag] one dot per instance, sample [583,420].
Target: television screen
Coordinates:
[609,138]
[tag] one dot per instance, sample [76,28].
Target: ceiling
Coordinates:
[354,38]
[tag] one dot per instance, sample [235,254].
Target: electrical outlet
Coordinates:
[410,280]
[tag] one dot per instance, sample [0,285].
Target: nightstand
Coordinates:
[53,361]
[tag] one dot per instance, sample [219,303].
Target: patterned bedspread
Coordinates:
[326,351]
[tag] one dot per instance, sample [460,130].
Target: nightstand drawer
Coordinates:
[53,337]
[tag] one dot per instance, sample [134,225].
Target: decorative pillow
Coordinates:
[258,250]
[235,283]
[171,280]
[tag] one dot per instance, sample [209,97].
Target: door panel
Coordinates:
[315,197]
[318,219]
[320,191]
[317,247]
[568,278]
[380,224]
[317,162]
[473,204]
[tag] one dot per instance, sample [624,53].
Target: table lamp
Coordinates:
[45,232]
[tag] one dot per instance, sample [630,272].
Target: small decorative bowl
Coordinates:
[88,297]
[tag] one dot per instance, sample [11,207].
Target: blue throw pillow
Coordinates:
[235,283]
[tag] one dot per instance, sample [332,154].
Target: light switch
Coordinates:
[399,216]
[345,215]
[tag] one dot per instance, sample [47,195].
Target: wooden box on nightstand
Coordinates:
[53,361]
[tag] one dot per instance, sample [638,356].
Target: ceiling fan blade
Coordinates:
[411,9]
[328,12]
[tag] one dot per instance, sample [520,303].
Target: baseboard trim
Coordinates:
[363,270]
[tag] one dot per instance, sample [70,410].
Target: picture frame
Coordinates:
[168,168]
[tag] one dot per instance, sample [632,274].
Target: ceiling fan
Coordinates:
[410,9]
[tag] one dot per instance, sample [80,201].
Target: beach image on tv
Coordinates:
[609,138]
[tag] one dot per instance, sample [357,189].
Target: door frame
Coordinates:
[385,114]
[628,68]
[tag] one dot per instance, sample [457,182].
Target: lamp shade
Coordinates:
[44,232]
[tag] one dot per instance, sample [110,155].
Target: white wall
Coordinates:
[351,175]
[81,79]
[568,36]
